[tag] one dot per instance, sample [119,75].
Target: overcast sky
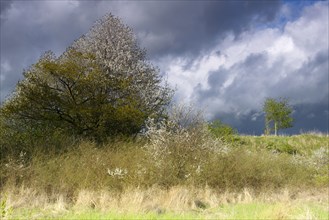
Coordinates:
[226,57]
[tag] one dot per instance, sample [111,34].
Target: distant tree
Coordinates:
[277,115]
[101,86]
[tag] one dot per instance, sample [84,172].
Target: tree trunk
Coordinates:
[267,127]
[275,128]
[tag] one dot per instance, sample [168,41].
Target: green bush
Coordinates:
[17,138]
[281,147]
[223,131]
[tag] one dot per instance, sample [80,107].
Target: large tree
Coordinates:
[277,115]
[119,56]
[101,86]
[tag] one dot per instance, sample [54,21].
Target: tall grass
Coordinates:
[171,157]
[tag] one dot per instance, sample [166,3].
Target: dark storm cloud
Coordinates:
[307,117]
[179,27]
[311,117]
[309,83]
[4,5]
[29,29]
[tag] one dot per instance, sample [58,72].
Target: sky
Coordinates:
[224,57]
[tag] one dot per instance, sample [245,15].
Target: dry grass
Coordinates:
[91,168]
[177,200]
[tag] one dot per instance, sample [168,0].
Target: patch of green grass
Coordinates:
[274,211]
[96,214]
[118,216]
[253,210]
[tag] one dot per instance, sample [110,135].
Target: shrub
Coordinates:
[180,145]
[223,131]
[17,137]
[260,170]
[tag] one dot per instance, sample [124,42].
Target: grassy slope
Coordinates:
[303,144]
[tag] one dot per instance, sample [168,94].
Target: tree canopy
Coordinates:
[277,115]
[100,86]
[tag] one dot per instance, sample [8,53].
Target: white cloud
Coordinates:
[289,62]
[185,80]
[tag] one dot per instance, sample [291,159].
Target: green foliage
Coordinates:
[75,95]
[18,137]
[282,148]
[219,129]
[277,115]
[5,211]
[276,144]
[223,131]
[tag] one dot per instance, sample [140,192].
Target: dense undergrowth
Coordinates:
[173,156]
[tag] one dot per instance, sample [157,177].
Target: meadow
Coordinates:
[170,173]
